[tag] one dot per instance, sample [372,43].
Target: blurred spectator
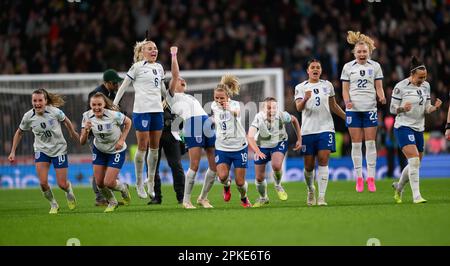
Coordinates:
[62,37]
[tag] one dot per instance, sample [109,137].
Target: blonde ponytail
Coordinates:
[359,38]
[230,84]
[138,48]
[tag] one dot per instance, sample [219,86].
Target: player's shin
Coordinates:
[261,187]
[309,179]
[371,157]
[243,190]
[357,158]
[323,174]
[139,166]
[189,184]
[208,183]
[414,165]
[152,160]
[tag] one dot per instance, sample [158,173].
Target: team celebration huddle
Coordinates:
[223,136]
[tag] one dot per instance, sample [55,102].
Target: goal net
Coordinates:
[15,100]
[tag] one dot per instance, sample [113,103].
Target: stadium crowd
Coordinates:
[90,36]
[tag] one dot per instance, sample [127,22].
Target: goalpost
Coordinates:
[15,100]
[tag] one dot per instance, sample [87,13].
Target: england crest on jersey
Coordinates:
[198,139]
[411,137]
[144,123]
[37,155]
[94,156]
[349,119]
[303,148]
[370,72]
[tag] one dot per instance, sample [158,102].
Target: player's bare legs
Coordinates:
[309,162]
[223,172]
[99,174]
[113,183]
[64,184]
[277,164]
[42,172]
[242,186]
[261,185]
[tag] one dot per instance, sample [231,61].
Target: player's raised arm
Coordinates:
[16,140]
[175,69]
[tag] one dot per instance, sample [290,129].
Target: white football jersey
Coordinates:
[184,105]
[419,97]
[270,133]
[316,116]
[48,136]
[230,134]
[147,79]
[106,130]
[362,84]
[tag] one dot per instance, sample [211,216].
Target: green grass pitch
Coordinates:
[350,218]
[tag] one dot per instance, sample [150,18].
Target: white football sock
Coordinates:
[404,178]
[189,184]
[49,196]
[277,175]
[309,179]
[323,174]
[207,183]
[357,158]
[371,157]
[414,165]
[139,165]
[152,160]
[119,186]
[108,194]
[243,190]
[261,187]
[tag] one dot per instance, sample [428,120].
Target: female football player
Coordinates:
[50,147]
[231,142]
[315,99]
[267,137]
[146,76]
[410,102]
[198,133]
[108,146]
[362,83]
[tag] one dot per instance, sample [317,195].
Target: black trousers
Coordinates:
[172,150]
